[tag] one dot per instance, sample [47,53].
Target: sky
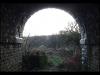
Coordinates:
[47,22]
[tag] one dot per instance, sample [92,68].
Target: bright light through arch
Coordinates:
[47,22]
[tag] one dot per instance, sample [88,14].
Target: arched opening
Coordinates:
[48,21]
[56,33]
[14,16]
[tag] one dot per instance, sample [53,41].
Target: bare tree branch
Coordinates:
[72,27]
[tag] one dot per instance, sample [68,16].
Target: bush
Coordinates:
[55,60]
[34,61]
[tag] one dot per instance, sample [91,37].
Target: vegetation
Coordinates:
[60,52]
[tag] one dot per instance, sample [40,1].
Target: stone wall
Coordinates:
[11,58]
[13,17]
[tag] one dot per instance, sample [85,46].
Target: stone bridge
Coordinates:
[13,17]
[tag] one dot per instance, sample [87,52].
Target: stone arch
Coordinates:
[14,17]
[82,27]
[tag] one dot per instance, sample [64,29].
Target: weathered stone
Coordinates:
[14,16]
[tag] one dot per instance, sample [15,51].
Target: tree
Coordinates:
[73,27]
[71,35]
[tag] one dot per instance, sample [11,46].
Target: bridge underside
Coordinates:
[14,16]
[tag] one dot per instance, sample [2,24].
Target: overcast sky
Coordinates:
[47,22]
